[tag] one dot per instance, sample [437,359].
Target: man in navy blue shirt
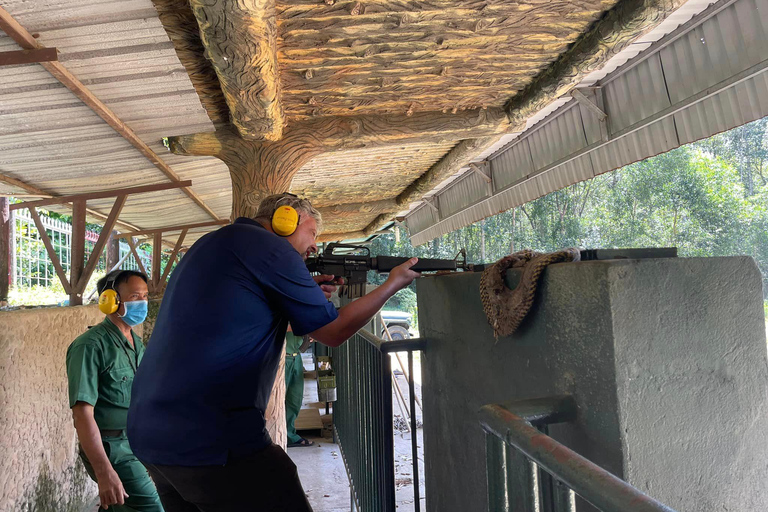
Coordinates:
[196,418]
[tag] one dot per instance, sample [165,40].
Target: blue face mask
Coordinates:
[135,312]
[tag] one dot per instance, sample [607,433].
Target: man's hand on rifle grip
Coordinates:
[328,283]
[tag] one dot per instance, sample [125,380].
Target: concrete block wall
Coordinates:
[39,469]
[666,359]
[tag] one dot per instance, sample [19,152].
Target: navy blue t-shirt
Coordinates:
[200,393]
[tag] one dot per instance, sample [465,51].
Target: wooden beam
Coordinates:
[428,202]
[168,229]
[382,206]
[24,39]
[105,235]
[350,132]
[36,192]
[458,157]
[132,245]
[51,252]
[611,34]
[28,56]
[582,99]
[259,169]
[172,257]
[22,196]
[5,249]
[113,249]
[477,170]
[336,237]
[102,194]
[78,251]
[157,256]
[240,40]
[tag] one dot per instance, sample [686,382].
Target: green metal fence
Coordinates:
[363,418]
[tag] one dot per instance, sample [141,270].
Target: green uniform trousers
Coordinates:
[142,495]
[294,393]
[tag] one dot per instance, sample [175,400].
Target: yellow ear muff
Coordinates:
[109,301]
[285,220]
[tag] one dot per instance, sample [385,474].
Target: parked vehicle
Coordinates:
[398,323]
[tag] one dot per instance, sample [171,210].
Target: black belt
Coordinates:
[293,355]
[111,433]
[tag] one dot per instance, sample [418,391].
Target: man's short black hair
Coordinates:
[120,277]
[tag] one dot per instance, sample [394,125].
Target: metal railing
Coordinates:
[363,418]
[517,441]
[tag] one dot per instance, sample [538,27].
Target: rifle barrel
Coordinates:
[387,263]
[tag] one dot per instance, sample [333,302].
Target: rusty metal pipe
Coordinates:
[599,487]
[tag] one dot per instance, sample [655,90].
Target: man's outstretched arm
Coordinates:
[356,314]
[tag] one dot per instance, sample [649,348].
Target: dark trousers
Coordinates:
[266,481]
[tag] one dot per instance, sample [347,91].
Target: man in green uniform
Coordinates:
[294,387]
[101,365]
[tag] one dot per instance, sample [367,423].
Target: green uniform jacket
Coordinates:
[101,365]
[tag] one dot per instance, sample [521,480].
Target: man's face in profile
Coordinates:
[303,239]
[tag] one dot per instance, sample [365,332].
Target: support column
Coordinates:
[113,250]
[157,255]
[5,250]
[78,251]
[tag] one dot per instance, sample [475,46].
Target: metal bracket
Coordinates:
[582,99]
[487,177]
[478,170]
[428,202]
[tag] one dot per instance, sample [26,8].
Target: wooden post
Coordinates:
[157,254]
[113,249]
[5,249]
[78,251]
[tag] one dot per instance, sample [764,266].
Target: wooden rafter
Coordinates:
[132,245]
[101,195]
[37,192]
[28,56]
[24,39]
[382,206]
[168,229]
[173,255]
[241,42]
[104,235]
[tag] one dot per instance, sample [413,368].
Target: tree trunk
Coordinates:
[275,413]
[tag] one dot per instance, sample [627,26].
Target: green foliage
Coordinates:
[49,295]
[37,295]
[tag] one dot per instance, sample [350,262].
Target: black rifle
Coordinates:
[352,262]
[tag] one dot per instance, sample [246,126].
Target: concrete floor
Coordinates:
[322,474]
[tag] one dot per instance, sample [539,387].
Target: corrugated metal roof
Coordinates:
[121,52]
[706,77]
